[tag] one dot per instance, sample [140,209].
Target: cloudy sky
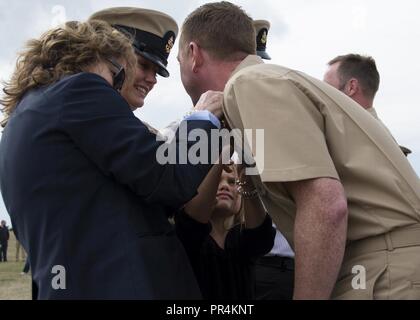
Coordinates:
[305,35]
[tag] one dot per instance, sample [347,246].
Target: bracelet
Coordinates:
[242,183]
[246,194]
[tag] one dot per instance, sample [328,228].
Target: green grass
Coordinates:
[13,285]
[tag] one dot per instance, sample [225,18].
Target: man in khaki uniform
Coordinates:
[357,77]
[333,179]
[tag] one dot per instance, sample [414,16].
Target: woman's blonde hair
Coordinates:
[66,50]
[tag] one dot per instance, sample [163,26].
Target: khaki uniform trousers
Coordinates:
[382,267]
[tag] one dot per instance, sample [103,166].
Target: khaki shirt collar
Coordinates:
[372,111]
[250,60]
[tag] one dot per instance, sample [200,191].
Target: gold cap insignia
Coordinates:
[264,37]
[169,45]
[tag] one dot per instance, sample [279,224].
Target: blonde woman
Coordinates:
[221,240]
[79,176]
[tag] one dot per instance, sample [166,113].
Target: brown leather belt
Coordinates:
[397,238]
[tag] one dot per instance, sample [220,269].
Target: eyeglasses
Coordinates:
[119,76]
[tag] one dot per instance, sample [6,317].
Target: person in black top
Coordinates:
[4,239]
[221,240]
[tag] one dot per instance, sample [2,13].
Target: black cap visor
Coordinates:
[162,71]
[150,46]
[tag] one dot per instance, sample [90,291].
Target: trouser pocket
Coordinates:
[361,285]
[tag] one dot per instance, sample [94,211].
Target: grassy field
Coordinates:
[13,285]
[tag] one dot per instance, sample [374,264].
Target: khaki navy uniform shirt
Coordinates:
[372,111]
[312,130]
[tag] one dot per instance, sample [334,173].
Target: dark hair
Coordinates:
[363,68]
[222,28]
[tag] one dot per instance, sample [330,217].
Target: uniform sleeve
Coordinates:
[252,243]
[294,145]
[191,233]
[102,126]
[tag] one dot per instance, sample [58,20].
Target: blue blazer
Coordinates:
[80,180]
